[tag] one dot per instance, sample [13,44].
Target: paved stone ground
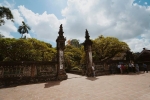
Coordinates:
[109,87]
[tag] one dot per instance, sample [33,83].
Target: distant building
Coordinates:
[124,57]
[143,57]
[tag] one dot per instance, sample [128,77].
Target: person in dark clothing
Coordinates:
[137,68]
[145,68]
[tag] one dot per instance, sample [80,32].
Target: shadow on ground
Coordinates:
[53,83]
[91,78]
[74,77]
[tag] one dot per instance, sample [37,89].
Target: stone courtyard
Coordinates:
[108,87]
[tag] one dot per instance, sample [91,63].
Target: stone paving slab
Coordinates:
[109,87]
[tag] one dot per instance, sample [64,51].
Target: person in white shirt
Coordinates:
[93,70]
[119,68]
[133,67]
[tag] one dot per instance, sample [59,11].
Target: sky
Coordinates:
[127,20]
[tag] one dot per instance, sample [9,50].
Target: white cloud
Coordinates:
[17,17]
[45,26]
[27,35]
[145,3]
[7,28]
[118,18]
[138,44]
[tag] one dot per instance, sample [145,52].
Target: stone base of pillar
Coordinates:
[62,75]
[89,72]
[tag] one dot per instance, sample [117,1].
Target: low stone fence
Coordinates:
[16,73]
[101,70]
[78,72]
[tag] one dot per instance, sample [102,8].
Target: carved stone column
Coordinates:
[88,51]
[61,74]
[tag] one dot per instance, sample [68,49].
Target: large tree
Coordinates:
[72,57]
[25,50]
[107,47]
[5,13]
[24,28]
[75,43]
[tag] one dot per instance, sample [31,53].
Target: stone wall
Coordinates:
[101,70]
[16,73]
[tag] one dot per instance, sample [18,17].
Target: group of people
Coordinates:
[126,68]
[120,68]
[131,67]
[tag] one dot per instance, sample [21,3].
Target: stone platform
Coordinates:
[109,87]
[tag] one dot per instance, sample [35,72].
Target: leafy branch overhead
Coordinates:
[5,13]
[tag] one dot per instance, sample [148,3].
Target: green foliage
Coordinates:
[107,47]
[6,46]
[75,43]
[5,13]
[72,57]
[26,50]
[83,60]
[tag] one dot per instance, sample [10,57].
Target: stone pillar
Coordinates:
[88,54]
[61,74]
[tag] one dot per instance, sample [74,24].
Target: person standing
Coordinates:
[133,67]
[93,70]
[145,67]
[126,68]
[119,67]
[122,68]
[137,68]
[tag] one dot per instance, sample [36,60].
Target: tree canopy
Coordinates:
[103,48]
[25,50]
[73,42]
[5,13]
[107,47]
[72,56]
